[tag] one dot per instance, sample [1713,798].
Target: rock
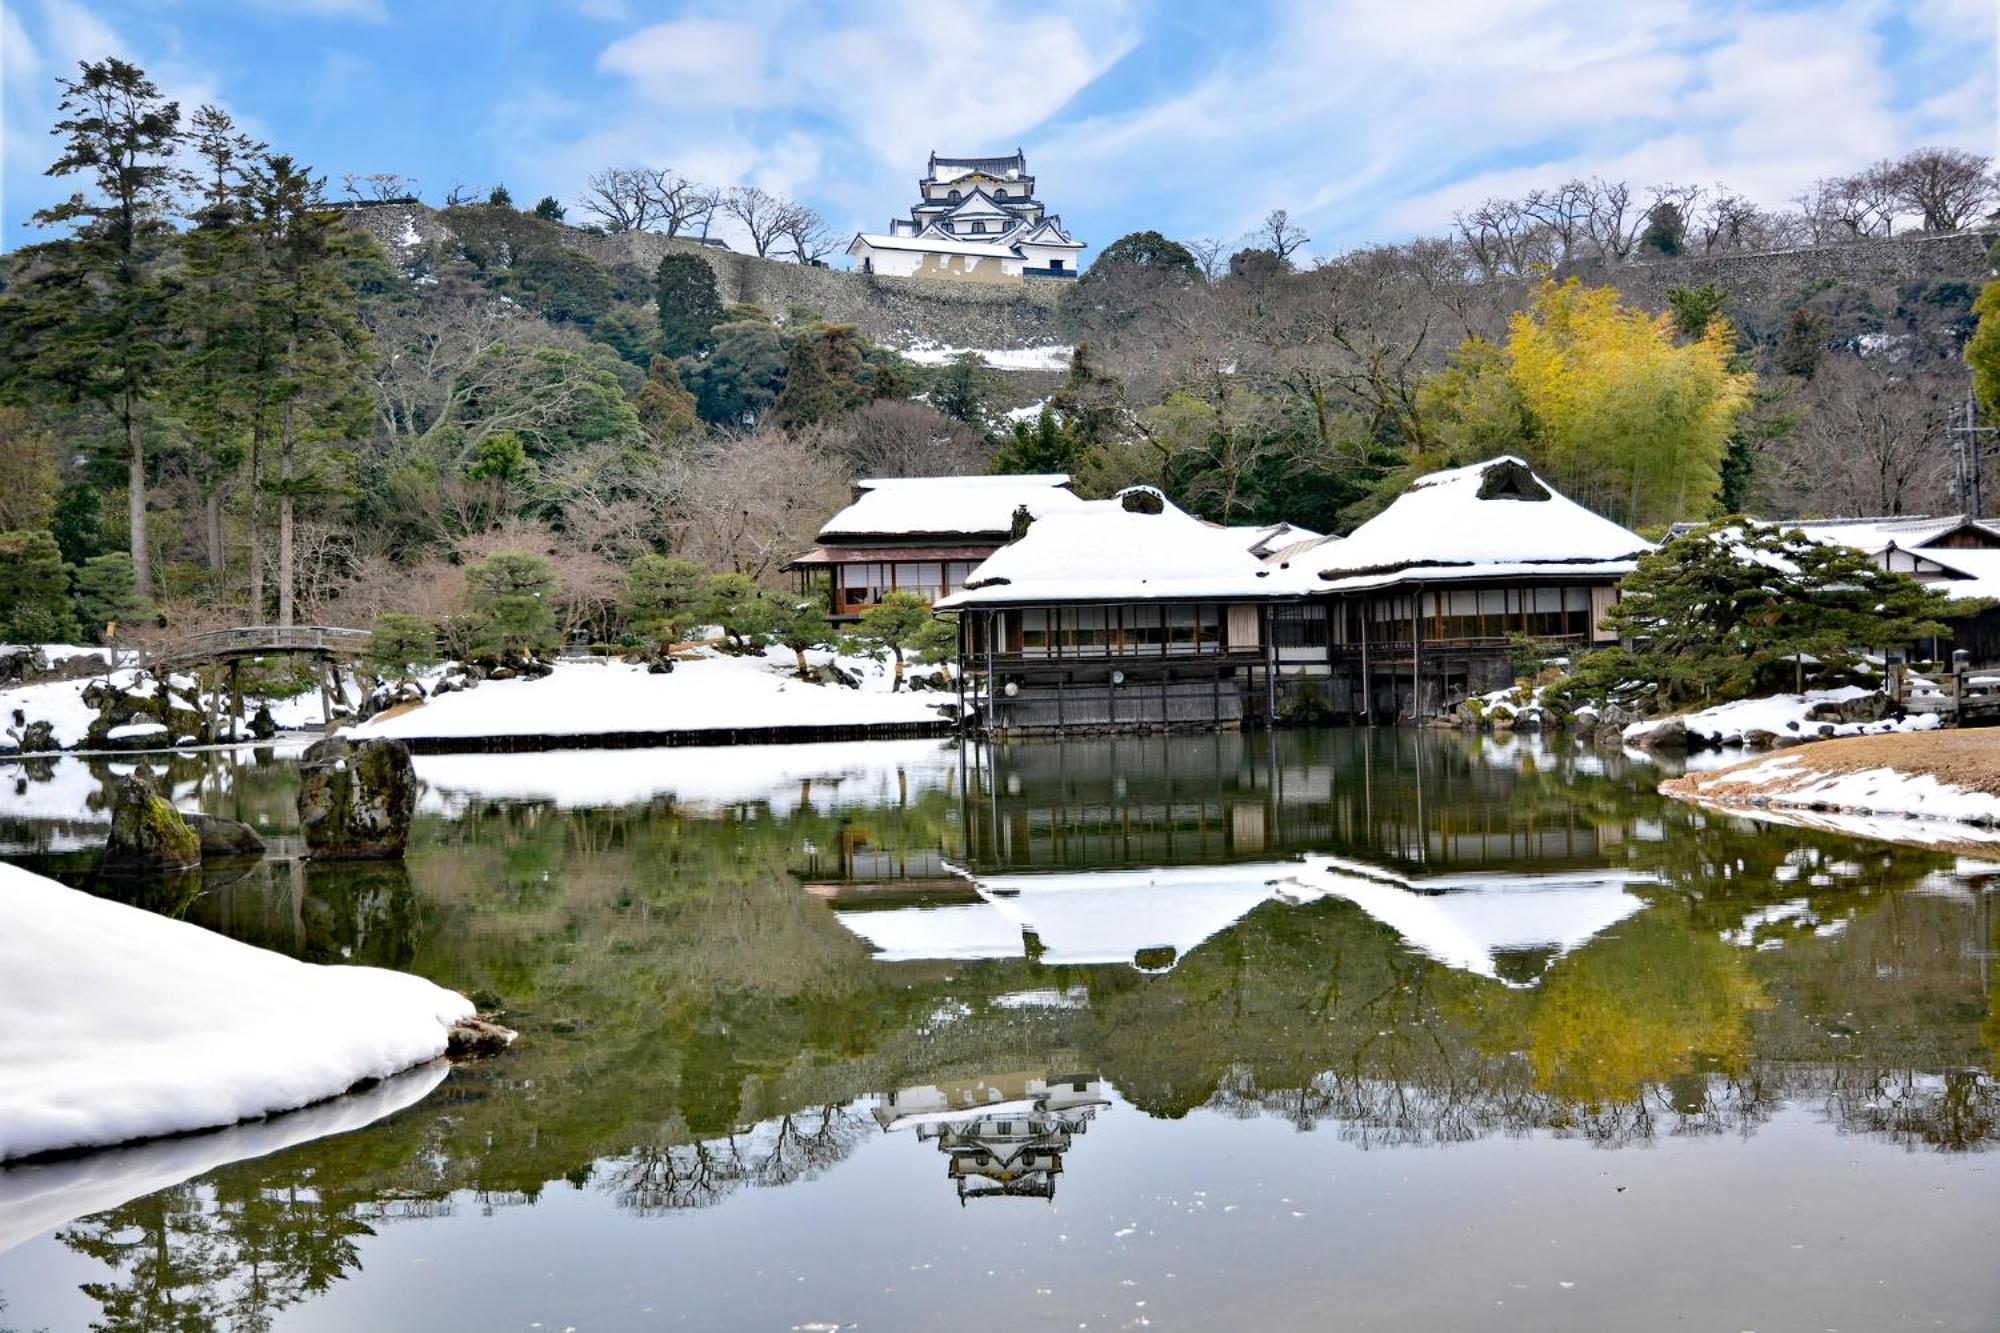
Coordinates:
[224,838]
[147,834]
[475,1037]
[356,798]
[1667,734]
[1530,719]
[262,725]
[1616,715]
[1758,738]
[39,738]
[19,664]
[501,673]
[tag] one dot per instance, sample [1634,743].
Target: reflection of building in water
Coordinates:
[1413,801]
[1002,1135]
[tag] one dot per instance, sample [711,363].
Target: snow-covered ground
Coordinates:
[122,1024]
[36,1197]
[60,704]
[1791,781]
[708,693]
[926,352]
[1783,715]
[824,775]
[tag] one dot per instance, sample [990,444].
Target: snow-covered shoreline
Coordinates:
[1934,789]
[711,693]
[122,1024]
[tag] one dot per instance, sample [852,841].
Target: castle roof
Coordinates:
[951,168]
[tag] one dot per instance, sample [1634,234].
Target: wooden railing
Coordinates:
[218,645]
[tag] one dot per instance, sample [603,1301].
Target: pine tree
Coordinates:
[400,644]
[1723,612]
[34,590]
[960,389]
[903,624]
[745,611]
[666,409]
[663,596]
[513,596]
[91,315]
[802,625]
[823,376]
[690,307]
[107,593]
[215,389]
[309,325]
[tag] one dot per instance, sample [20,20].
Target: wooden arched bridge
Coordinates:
[327,646]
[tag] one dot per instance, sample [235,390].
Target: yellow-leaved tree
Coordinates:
[1600,397]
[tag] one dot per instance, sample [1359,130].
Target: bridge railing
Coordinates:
[253,640]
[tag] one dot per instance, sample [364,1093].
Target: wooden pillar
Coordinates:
[1270,668]
[1416,650]
[1367,685]
[325,702]
[235,700]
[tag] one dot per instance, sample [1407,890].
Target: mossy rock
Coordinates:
[356,799]
[147,834]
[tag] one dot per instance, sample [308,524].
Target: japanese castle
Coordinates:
[977,218]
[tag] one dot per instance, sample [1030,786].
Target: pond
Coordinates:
[1340,1029]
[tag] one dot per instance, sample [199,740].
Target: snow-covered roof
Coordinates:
[1491,519]
[1979,571]
[1010,166]
[1138,546]
[1152,919]
[997,245]
[1875,535]
[911,507]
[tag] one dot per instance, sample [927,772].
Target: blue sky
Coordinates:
[1369,119]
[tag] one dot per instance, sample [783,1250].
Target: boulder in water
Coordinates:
[224,838]
[147,834]
[356,798]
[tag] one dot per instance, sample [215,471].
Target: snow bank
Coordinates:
[123,1024]
[36,1197]
[710,693]
[824,775]
[1783,715]
[1792,780]
[927,353]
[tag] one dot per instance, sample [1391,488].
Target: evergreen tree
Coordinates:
[1043,447]
[91,315]
[737,382]
[215,390]
[664,597]
[1723,612]
[802,625]
[500,197]
[399,645]
[1802,342]
[690,307]
[107,593]
[308,313]
[512,597]
[824,376]
[549,209]
[961,388]
[1666,229]
[901,624]
[1147,250]
[78,525]
[666,409]
[1694,308]
[34,590]
[747,613]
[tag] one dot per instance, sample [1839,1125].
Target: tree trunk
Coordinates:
[256,506]
[285,495]
[801,653]
[212,522]
[897,684]
[135,495]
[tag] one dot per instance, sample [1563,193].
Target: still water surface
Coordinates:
[1328,1030]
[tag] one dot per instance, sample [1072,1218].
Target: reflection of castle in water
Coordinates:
[1002,1135]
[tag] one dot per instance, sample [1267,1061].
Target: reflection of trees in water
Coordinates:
[1957,1111]
[664,1178]
[226,1255]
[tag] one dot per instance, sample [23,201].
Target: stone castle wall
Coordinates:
[893,311]
[900,311]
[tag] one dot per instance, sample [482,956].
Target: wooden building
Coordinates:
[1955,553]
[920,534]
[1123,613]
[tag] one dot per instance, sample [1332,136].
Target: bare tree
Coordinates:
[1942,186]
[1726,221]
[1211,253]
[764,215]
[811,238]
[1563,217]
[892,437]
[621,199]
[378,186]
[1866,441]
[755,500]
[460,194]
[1279,235]
[1612,221]
[1845,208]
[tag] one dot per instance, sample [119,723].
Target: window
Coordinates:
[954,196]
[1144,629]
[1055,266]
[1181,636]
[1035,633]
[979,226]
[1000,193]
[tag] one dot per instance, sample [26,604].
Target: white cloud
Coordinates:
[712,63]
[369,11]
